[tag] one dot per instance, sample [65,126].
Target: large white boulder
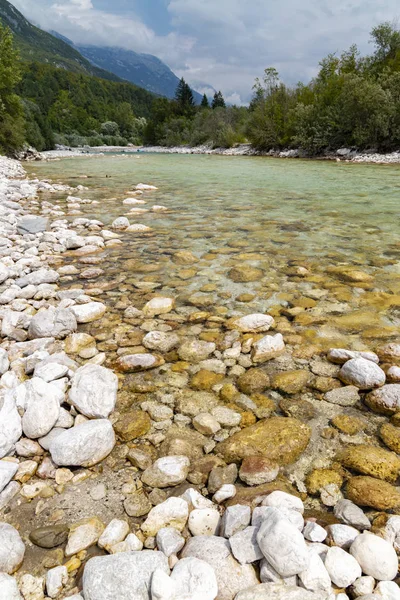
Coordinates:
[126,575]
[42,407]
[10,423]
[12,549]
[343,569]
[376,556]
[52,322]
[282,544]
[83,445]
[94,391]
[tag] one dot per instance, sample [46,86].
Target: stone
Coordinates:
[133,425]
[340,356]
[195,351]
[282,544]
[206,424]
[245,547]
[256,470]
[344,396]
[245,274]
[42,408]
[235,518]
[10,423]
[204,521]
[12,549]
[83,534]
[375,493]
[269,347]
[279,591]
[4,362]
[127,574]
[363,374]
[161,341]
[38,277]
[225,492]
[169,541]
[194,403]
[9,492]
[320,478]
[50,371]
[343,535]
[174,512]
[9,587]
[226,417]
[282,439]
[363,585]
[293,516]
[194,579]
[290,382]
[50,536]
[32,588]
[205,380]
[167,471]
[314,532]
[315,578]
[137,504]
[158,306]
[343,568]
[83,445]
[386,400]
[254,323]
[349,513]
[52,322]
[132,363]
[162,586]
[371,460]
[56,579]
[388,590]
[139,458]
[391,532]
[253,381]
[94,391]
[348,425]
[7,472]
[89,312]
[220,476]
[115,532]
[375,556]
[231,576]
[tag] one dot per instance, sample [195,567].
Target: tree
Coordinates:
[218,101]
[11,111]
[204,102]
[184,98]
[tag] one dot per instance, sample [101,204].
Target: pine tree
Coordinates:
[184,97]
[11,110]
[218,101]
[205,103]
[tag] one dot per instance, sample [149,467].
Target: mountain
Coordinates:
[37,45]
[144,70]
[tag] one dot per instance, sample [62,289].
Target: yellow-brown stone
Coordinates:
[390,435]
[245,274]
[205,380]
[371,460]
[132,425]
[367,491]
[253,381]
[347,424]
[319,478]
[290,382]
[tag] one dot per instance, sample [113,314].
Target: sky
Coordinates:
[220,44]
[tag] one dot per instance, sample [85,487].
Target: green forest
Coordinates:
[354,101]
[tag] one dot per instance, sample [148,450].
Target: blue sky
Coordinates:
[225,44]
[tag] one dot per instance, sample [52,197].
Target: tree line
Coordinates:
[354,101]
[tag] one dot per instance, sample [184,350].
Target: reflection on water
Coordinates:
[323,237]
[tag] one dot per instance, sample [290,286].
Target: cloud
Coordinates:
[221,43]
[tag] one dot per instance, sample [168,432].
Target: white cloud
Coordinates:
[225,43]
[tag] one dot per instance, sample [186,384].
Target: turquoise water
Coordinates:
[272,214]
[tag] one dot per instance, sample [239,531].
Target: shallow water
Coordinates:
[273,214]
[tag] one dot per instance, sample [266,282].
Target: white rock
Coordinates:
[83,534]
[126,576]
[343,569]
[206,424]
[204,521]
[293,516]
[267,348]
[32,588]
[169,541]
[391,532]
[388,590]
[279,591]
[235,519]
[363,585]
[167,471]
[340,355]
[351,514]
[244,546]
[196,500]
[145,187]
[196,350]
[280,499]
[120,224]
[12,549]
[10,423]
[4,362]
[55,580]
[254,323]
[83,445]
[42,408]
[226,417]
[161,341]
[362,373]
[174,512]
[9,588]
[86,313]
[9,492]
[226,491]
[52,322]
[7,472]
[115,532]
[158,306]
[282,544]
[343,535]
[50,371]
[375,556]
[315,578]
[162,586]
[314,532]
[94,391]
[194,579]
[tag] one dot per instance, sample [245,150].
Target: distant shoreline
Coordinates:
[341,155]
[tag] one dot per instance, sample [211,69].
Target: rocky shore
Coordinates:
[197,456]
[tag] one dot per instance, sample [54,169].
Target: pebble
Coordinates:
[55,580]
[174,512]
[83,534]
[167,471]
[169,541]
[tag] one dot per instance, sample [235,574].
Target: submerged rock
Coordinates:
[372,460]
[270,346]
[385,400]
[132,363]
[362,373]
[375,493]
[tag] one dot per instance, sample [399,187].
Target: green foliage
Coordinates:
[11,110]
[218,101]
[184,99]
[204,102]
